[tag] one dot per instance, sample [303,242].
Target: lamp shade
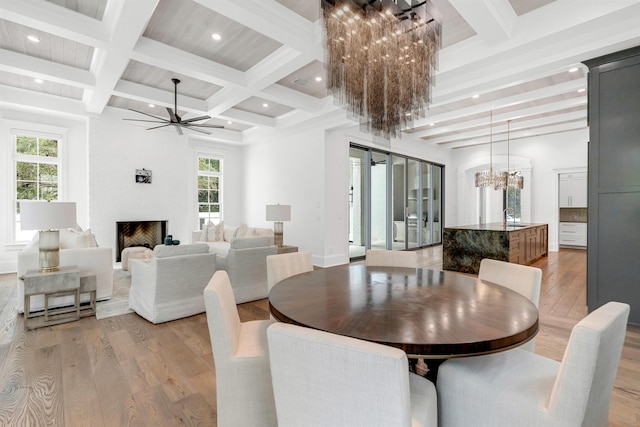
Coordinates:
[41,215]
[278,212]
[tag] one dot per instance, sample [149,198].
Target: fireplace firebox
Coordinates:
[139,233]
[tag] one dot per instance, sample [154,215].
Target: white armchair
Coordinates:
[387,258]
[169,286]
[523,279]
[520,388]
[243,379]
[323,379]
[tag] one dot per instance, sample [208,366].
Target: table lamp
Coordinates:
[48,218]
[278,213]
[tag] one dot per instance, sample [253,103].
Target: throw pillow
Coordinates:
[205,231]
[241,231]
[73,238]
[216,233]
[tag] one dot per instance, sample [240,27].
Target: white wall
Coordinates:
[546,156]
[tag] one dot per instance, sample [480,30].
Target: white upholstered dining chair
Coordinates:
[280,267]
[520,388]
[387,258]
[523,279]
[244,395]
[323,379]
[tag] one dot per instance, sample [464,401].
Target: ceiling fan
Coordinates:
[174,119]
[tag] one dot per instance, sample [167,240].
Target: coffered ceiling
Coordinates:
[520,59]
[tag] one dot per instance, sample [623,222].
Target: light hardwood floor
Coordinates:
[127,371]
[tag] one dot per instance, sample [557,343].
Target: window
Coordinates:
[512,202]
[209,189]
[37,172]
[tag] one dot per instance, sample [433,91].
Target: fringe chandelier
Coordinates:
[380,58]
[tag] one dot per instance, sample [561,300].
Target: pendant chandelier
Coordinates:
[513,179]
[496,180]
[380,59]
[490,178]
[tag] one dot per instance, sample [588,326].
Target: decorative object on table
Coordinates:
[174,119]
[168,241]
[381,58]
[49,218]
[278,213]
[175,242]
[143,176]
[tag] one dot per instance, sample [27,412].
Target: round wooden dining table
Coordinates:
[429,314]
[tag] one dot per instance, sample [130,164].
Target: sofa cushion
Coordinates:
[162,251]
[221,249]
[251,242]
[241,231]
[73,238]
[229,232]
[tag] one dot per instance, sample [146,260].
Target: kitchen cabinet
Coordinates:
[572,234]
[573,190]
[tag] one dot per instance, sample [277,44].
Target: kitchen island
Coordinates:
[463,247]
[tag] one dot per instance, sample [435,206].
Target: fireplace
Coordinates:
[139,233]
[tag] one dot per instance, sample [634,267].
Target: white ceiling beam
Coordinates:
[152,95]
[166,57]
[248,118]
[519,99]
[526,133]
[53,19]
[50,71]
[127,21]
[269,18]
[292,98]
[482,128]
[492,20]
[31,100]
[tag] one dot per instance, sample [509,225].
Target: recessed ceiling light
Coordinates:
[229,122]
[581,90]
[476,96]
[431,124]
[39,81]
[152,105]
[318,79]
[265,105]
[34,39]
[216,36]
[573,70]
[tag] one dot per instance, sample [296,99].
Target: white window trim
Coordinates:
[200,152]
[11,129]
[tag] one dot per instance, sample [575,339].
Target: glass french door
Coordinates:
[394,201]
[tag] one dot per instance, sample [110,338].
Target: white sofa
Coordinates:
[76,248]
[170,285]
[242,252]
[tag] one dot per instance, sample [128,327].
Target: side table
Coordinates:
[63,282]
[285,249]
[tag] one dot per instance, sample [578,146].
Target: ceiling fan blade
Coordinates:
[150,121]
[146,114]
[207,126]
[197,130]
[161,126]
[195,119]
[178,128]
[174,118]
